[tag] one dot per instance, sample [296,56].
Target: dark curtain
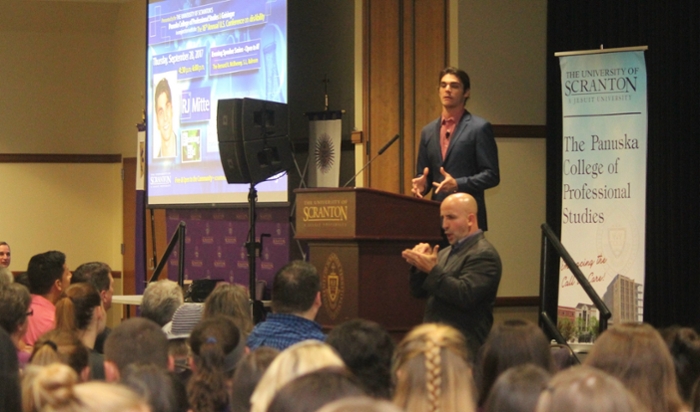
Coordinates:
[672,32]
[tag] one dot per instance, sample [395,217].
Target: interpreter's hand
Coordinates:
[422,256]
[418,184]
[448,184]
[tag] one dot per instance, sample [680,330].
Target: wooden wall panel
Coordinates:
[405,48]
[384,90]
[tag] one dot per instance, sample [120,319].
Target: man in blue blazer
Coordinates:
[457,151]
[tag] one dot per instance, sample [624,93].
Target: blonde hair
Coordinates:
[638,356]
[55,388]
[432,371]
[586,389]
[296,360]
[360,404]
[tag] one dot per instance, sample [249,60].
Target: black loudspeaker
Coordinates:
[253,139]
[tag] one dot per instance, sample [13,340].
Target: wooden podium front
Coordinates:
[355,238]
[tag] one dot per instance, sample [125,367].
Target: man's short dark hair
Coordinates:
[137,340]
[44,270]
[164,87]
[461,75]
[95,273]
[295,287]
[366,349]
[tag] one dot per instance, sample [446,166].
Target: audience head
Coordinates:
[230,300]
[311,391]
[55,388]
[431,367]
[367,349]
[586,389]
[298,359]
[517,389]
[684,345]
[14,309]
[79,308]
[160,301]
[360,404]
[99,275]
[23,279]
[509,344]
[5,255]
[9,375]
[48,274]
[213,342]
[60,346]
[6,276]
[153,384]
[296,288]
[135,340]
[637,356]
[178,330]
[247,375]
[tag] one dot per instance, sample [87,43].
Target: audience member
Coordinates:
[48,278]
[155,386]
[366,348]
[213,342]
[134,341]
[160,301]
[6,277]
[14,311]
[586,389]
[684,345]
[360,404]
[99,275]
[431,367]
[23,279]
[178,330]
[60,346]
[298,359]
[517,389]
[79,310]
[5,255]
[55,388]
[10,400]
[296,299]
[695,397]
[514,342]
[230,300]
[247,375]
[637,355]
[311,391]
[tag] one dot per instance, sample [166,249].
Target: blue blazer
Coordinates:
[471,158]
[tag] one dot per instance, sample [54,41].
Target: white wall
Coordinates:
[502,44]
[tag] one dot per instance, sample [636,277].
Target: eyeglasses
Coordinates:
[30,313]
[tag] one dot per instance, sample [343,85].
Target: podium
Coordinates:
[355,238]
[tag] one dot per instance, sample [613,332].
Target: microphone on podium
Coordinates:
[381,151]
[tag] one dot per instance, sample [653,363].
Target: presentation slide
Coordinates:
[201,51]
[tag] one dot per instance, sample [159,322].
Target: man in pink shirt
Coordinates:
[48,278]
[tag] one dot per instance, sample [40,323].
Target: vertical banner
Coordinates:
[324,152]
[604,99]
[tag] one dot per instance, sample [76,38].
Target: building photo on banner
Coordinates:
[604,98]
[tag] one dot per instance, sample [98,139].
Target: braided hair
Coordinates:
[432,371]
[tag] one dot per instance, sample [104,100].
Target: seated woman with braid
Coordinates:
[432,371]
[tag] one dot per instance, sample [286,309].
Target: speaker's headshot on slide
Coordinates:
[166,146]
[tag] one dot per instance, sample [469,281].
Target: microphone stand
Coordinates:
[381,152]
